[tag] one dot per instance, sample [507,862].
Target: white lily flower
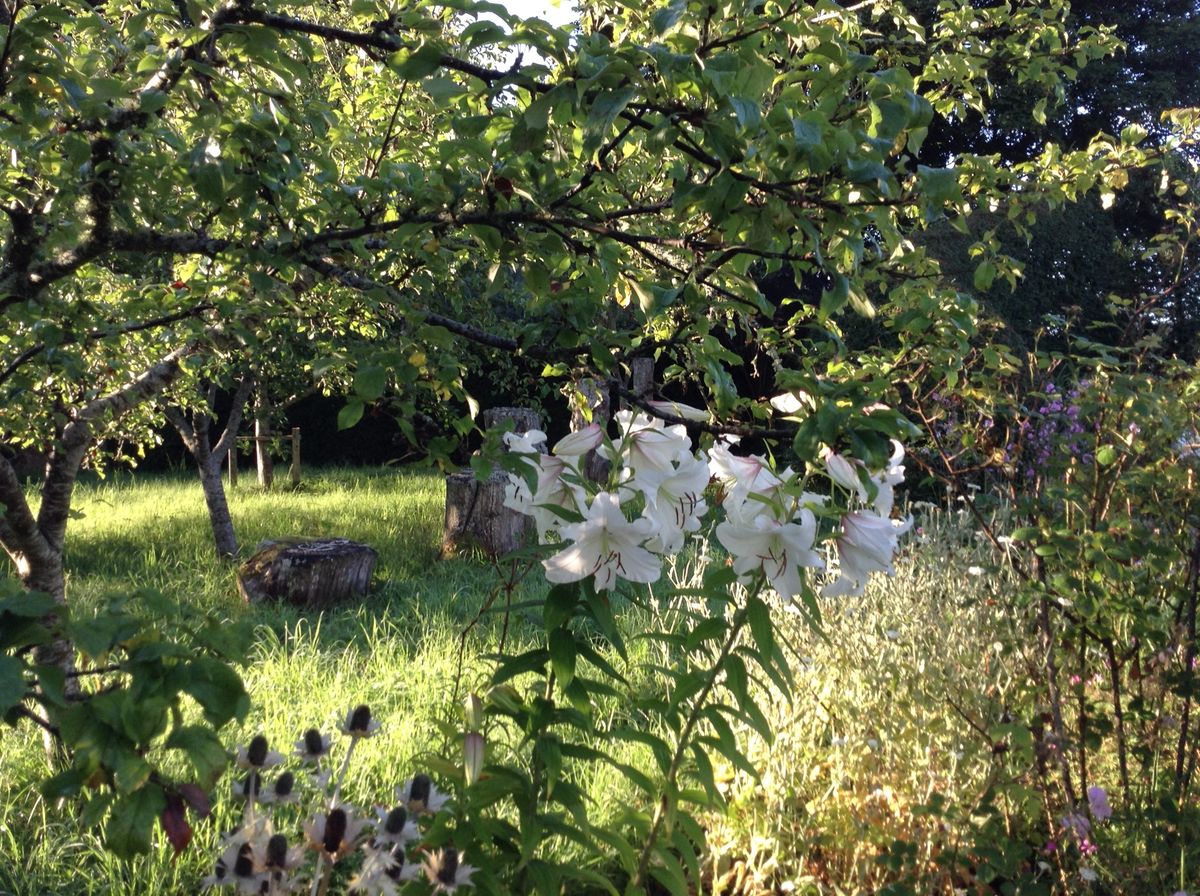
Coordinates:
[552,490]
[647,447]
[887,479]
[844,471]
[742,475]
[532,441]
[780,549]
[866,545]
[793,403]
[676,409]
[606,545]
[674,503]
[571,448]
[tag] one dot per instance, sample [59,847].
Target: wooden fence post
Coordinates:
[596,397]
[641,378]
[233,463]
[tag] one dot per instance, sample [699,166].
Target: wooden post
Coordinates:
[233,464]
[641,377]
[262,443]
[595,397]
[475,511]
[522,419]
[294,469]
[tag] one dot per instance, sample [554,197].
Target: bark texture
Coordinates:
[312,573]
[476,517]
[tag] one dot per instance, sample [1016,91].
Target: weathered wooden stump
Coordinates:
[523,419]
[475,513]
[313,573]
[477,518]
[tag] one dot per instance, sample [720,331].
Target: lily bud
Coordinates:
[473,750]
[473,712]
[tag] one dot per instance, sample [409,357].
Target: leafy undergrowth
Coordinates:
[882,722]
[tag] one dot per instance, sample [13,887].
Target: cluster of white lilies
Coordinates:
[655,498]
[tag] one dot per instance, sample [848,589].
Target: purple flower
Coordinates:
[1098,804]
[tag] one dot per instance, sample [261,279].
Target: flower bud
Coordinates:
[473,750]
[473,712]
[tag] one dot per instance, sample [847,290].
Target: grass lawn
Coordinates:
[869,734]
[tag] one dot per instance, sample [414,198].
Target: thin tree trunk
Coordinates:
[262,449]
[224,536]
[196,436]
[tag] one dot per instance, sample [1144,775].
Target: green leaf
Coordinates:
[12,683]
[218,690]
[413,64]
[202,748]
[1106,455]
[132,820]
[668,17]
[562,655]
[370,381]
[761,627]
[350,414]
[604,112]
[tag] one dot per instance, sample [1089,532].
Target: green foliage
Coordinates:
[121,733]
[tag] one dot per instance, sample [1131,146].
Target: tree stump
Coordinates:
[313,573]
[475,513]
[477,518]
[522,419]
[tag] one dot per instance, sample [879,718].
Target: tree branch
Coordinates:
[19,533]
[236,410]
[62,468]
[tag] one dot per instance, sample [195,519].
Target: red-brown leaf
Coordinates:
[175,823]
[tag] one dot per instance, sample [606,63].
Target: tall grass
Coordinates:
[873,730]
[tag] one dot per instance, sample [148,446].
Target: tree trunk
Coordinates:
[477,518]
[196,434]
[262,449]
[219,518]
[311,573]
[35,543]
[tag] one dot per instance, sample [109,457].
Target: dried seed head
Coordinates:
[395,821]
[256,753]
[447,866]
[396,868]
[313,742]
[284,784]
[335,830]
[244,866]
[419,790]
[277,849]
[360,719]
